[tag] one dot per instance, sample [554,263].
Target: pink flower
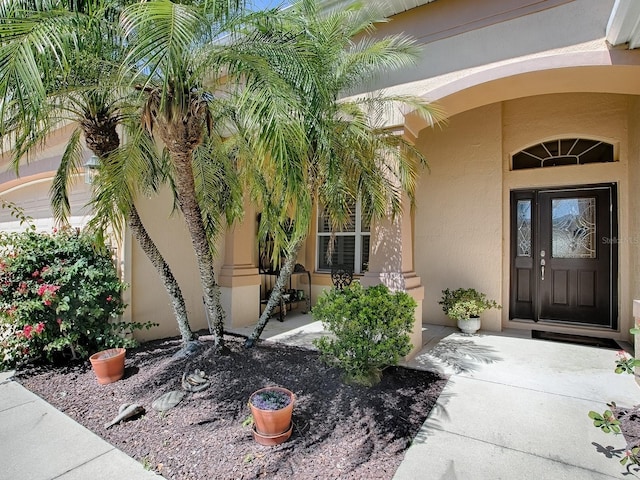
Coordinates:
[22,288]
[27,330]
[36,274]
[59,320]
[48,291]
[39,327]
[109,298]
[54,230]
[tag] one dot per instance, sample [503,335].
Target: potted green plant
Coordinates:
[272,409]
[465,306]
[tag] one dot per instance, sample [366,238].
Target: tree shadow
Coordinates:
[461,355]
[331,419]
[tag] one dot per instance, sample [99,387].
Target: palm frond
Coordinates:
[69,166]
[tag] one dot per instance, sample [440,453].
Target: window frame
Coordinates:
[358,233]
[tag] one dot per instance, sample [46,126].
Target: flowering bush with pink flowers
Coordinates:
[60,297]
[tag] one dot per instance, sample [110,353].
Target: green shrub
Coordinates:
[370,328]
[60,296]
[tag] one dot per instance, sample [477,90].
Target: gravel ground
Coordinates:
[340,431]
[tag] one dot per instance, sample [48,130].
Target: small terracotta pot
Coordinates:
[108,365]
[271,440]
[272,426]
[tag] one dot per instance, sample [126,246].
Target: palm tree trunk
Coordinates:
[170,284]
[102,142]
[276,293]
[186,192]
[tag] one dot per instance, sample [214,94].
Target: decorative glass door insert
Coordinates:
[573,233]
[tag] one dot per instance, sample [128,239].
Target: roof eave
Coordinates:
[388,7]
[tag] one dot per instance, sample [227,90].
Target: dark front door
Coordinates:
[564,255]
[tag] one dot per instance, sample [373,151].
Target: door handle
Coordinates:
[542,264]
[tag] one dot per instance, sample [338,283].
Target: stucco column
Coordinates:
[239,279]
[391,263]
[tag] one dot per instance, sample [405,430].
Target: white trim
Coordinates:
[624,23]
[357,234]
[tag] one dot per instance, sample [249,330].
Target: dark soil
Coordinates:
[340,431]
[629,419]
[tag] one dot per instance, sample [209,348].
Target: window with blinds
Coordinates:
[349,247]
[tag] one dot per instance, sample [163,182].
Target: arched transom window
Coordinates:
[565,151]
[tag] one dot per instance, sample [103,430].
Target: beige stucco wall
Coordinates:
[633,239]
[148,300]
[462,216]
[458,221]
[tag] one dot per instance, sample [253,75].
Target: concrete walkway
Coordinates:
[514,408]
[37,442]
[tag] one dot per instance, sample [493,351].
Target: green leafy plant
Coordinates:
[464,303]
[270,400]
[606,421]
[60,296]
[370,328]
[248,421]
[626,364]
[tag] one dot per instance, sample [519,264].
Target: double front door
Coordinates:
[564,255]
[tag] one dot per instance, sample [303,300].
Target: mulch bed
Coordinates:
[340,431]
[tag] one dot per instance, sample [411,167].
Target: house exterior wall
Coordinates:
[147,298]
[462,215]
[632,241]
[458,217]
[509,74]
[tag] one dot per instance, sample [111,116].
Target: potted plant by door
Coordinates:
[272,409]
[465,306]
[108,365]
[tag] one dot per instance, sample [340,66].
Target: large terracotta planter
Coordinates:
[108,365]
[272,427]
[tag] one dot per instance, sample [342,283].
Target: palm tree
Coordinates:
[56,62]
[348,154]
[188,73]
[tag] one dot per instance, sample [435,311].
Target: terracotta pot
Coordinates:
[108,365]
[270,440]
[272,426]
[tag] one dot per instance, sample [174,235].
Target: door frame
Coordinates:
[609,238]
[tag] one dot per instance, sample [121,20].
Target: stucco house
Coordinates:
[530,196]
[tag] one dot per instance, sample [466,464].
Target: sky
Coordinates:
[262,4]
